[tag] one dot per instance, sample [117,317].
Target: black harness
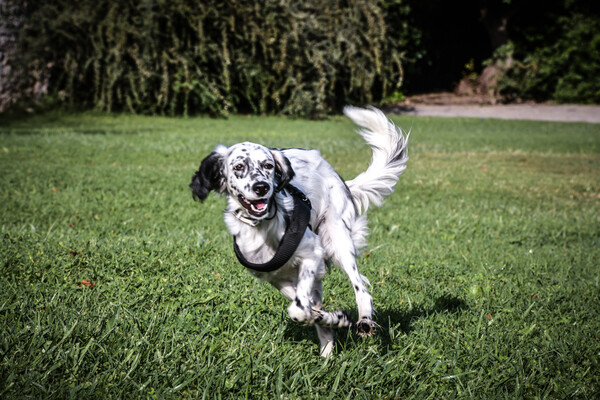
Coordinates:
[296,226]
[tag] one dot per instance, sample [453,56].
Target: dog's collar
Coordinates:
[239,214]
[296,226]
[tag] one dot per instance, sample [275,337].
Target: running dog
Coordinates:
[291,215]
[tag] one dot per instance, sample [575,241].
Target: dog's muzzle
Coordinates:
[256,208]
[260,207]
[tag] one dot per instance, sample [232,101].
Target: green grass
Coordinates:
[484,265]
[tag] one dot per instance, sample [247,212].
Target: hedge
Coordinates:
[302,58]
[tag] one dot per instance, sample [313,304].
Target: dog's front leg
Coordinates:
[300,309]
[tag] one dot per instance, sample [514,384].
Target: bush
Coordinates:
[182,56]
[564,66]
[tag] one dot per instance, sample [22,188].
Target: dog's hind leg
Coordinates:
[325,339]
[344,255]
[325,333]
[365,325]
[325,321]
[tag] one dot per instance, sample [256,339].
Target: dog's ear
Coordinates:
[210,175]
[283,169]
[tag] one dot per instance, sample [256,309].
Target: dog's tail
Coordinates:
[389,157]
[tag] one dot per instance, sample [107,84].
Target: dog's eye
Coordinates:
[268,166]
[239,167]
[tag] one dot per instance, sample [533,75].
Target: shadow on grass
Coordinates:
[386,318]
[444,304]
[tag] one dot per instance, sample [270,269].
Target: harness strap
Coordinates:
[297,224]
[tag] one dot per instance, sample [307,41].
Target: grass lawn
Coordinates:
[115,283]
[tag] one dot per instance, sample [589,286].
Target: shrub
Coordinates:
[565,67]
[182,56]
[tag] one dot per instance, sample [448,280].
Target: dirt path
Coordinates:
[540,112]
[448,105]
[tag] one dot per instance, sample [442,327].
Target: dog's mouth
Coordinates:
[256,208]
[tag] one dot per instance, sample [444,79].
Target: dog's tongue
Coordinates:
[260,205]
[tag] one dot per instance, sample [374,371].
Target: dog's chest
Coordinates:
[257,243]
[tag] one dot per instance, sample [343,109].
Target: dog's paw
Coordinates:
[299,313]
[365,327]
[317,314]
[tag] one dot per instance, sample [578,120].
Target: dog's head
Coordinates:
[249,173]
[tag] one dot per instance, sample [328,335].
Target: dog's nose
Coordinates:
[261,188]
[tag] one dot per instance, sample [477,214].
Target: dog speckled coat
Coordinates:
[263,186]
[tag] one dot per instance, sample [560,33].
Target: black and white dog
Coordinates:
[291,214]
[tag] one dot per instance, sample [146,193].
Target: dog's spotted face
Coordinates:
[251,177]
[249,173]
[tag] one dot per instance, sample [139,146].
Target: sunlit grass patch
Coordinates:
[483,265]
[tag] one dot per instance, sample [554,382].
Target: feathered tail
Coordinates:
[389,157]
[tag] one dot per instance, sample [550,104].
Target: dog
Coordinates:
[292,215]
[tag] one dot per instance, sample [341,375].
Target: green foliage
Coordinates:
[565,68]
[484,265]
[182,57]
[556,46]
[396,97]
